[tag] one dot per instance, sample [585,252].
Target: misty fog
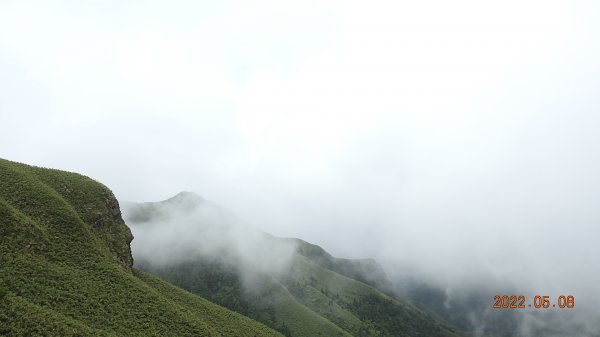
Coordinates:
[187,228]
[455,142]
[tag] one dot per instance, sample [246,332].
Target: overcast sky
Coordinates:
[456,135]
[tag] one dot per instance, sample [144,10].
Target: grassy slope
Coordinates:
[364,270]
[337,297]
[66,268]
[271,303]
[299,319]
[308,300]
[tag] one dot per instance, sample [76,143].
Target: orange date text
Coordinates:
[536,302]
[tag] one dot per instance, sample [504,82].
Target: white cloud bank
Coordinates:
[457,136]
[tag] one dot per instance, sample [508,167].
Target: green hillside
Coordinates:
[364,270]
[315,294]
[66,267]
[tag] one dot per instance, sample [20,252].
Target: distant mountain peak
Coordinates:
[185,195]
[186,199]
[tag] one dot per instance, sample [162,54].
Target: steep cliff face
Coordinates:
[99,210]
[66,267]
[53,200]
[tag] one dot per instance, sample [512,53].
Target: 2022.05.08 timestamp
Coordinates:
[539,302]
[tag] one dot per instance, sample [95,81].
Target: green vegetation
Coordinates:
[66,267]
[270,303]
[3,292]
[316,295]
[364,270]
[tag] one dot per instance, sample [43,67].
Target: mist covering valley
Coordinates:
[287,284]
[189,231]
[426,156]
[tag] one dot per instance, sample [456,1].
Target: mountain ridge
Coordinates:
[332,296]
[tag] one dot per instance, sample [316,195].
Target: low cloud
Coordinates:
[186,228]
[456,142]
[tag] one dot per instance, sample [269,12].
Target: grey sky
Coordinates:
[461,137]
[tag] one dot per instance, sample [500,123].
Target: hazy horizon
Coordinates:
[458,140]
